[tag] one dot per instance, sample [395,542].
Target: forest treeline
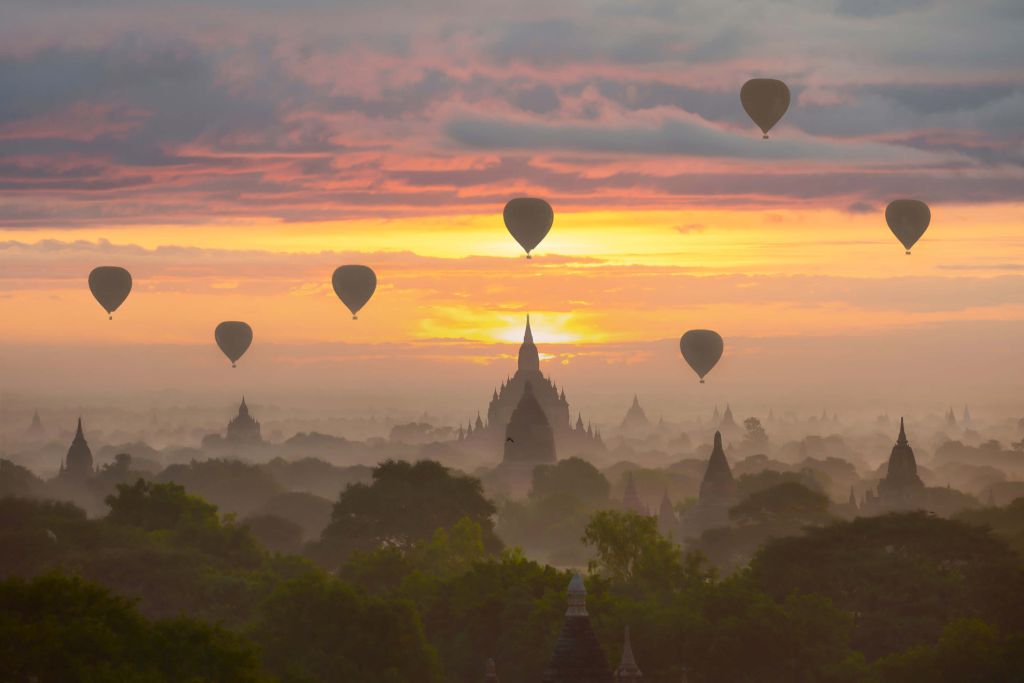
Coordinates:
[412,581]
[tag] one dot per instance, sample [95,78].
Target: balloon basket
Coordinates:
[355,317]
[110,317]
[702,381]
[528,256]
[764,137]
[233,365]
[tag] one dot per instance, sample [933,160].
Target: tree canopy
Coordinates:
[405,503]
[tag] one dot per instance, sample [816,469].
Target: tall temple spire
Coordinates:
[490,673]
[78,461]
[577,597]
[628,671]
[529,358]
[718,480]
[901,440]
[631,499]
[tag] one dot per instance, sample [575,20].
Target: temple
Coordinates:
[717,495]
[636,419]
[528,436]
[578,657]
[727,423]
[77,465]
[36,430]
[569,439]
[243,428]
[902,488]
[668,523]
[628,671]
[631,501]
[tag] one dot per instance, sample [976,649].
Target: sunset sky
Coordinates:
[232,153]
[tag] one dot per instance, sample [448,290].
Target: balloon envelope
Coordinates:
[111,286]
[528,219]
[233,338]
[765,100]
[908,219]
[701,349]
[354,285]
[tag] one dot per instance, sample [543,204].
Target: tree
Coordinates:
[571,477]
[629,548]
[550,522]
[275,533]
[57,628]
[15,480]
[315,628]
[231,485]
[405,503]
[1006,523]
[154,507]
[902,576]
[967,650]
[755,433]
[789,504]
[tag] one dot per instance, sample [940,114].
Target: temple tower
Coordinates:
[578,657]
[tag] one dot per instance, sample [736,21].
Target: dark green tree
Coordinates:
[55,629]
[316,628]
[405,503]
[903,577]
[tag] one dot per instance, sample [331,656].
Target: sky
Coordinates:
[231,154]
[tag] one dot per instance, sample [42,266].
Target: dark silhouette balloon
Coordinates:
[233,338]
[354,285]
[908,219]
[111,286]
[701,349]
[765,100]
[529,220]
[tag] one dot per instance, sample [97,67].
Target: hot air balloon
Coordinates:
[528,219]
[765,100]
[354,285]
[908,219]
[111,286]
[701,349]
[233,338]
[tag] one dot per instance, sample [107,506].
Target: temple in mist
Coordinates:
[717,495]
[35,428]
[243,430]
[569,438]
[529,438]
[902,488]
[635,420]
[631,501]
[77,464]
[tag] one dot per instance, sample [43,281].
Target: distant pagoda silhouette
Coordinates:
[636,419]
[717,494]
[36,429]
[631,501]
[77,465]
[490,435]
[578,657]
[902,488]
[668,523]
[243,428]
